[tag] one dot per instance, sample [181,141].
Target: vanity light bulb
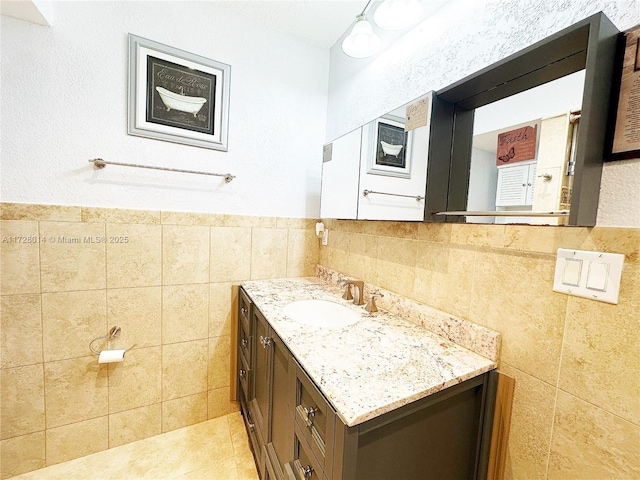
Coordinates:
[362,41]
[397,14]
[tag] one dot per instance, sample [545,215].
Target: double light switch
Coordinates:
[593,275]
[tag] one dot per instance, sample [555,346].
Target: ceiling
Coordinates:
[319,22]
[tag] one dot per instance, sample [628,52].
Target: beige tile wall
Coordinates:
[167,284]
[576,361]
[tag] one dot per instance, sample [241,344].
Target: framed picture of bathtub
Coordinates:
[390,151]
[177,96]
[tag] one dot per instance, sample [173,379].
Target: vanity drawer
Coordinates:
[305,465]
[243,376]
[254,439]
[315,418]
[244,343]
[244,311]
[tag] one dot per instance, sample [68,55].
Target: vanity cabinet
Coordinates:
[266,386]
[296,433]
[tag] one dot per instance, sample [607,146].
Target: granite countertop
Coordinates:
[369,368]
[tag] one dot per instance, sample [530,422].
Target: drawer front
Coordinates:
[244,343]
[315,418]
[305,465]
[244,374]
[254,439]
[244,310]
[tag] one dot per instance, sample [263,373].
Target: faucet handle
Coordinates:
[371,304]
[347,295]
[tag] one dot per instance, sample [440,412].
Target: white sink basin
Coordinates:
[321,313]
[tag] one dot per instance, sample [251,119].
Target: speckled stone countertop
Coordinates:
[369,368]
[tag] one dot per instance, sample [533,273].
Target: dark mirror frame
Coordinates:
[590,45]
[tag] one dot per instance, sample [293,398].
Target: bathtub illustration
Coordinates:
[390,149]
[179,102]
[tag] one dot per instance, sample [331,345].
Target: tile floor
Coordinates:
[217,449]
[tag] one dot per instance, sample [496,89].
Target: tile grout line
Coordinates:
[162,257]
[106,320]
[209,316]
[557,390]
[44,379]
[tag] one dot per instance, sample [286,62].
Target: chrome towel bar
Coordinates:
[510,213]
[100,163]
[367,192]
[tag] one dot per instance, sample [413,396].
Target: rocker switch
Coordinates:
[597,276]
[572,271]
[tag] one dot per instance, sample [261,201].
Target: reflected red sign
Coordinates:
[517,145]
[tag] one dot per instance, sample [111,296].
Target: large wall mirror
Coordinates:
[550,99]
[529,132]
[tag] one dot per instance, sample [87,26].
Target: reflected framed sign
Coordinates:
[392,148]
[624,137]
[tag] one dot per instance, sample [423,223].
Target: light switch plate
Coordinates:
[594,275]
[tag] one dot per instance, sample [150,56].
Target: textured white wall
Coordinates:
[620,194]
[461,38]
[64,101]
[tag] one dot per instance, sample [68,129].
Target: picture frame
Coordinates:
[177,96]
[390,151]
[623,135]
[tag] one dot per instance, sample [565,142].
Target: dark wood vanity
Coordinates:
[295,432]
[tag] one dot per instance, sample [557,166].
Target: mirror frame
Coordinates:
[590,45]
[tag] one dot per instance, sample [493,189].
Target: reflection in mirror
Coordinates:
[521,153]
[393,168]
[379,171]
[340,171]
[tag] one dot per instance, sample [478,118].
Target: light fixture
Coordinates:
[362,41]
[397,14]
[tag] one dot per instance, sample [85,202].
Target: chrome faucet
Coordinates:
[357,297]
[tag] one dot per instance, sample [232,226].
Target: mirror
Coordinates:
[451,191]
[379,171]
[522,151]
[588,46]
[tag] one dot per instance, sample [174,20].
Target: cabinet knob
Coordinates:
[244,342]
[306,472]
[242,373]
[310,412]
[265,341]
[251,425]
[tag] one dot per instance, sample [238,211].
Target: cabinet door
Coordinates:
[531,182]
[262,348]
[339,196]
[512,184]
[280,443]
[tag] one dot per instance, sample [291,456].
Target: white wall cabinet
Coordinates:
[515,185]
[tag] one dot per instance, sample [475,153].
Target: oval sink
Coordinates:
[321,313]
